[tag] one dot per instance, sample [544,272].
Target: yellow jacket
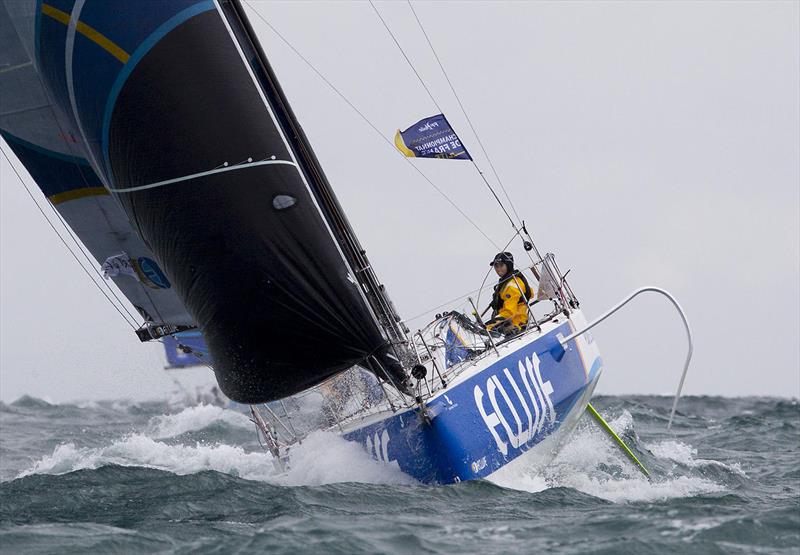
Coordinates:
[514,306]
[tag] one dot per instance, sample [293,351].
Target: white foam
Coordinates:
[122,405]
[142,451]
[323,458]
[622,423]
[195,418]
[673,450]
[590,463]
[686,455]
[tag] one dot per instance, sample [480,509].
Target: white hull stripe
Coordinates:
[202,174]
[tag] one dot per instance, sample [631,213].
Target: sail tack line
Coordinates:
[369,122]
[69,248]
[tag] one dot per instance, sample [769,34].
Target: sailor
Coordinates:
[510,299]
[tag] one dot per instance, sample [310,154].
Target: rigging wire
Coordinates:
[80,246]
[424,86]
[464,111]
[479,290]
[74,256]
[448,303]
[92,263]
[368,122]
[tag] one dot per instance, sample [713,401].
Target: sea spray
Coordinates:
[590,463]
[326,458]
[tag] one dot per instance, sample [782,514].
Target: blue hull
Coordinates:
[492,413]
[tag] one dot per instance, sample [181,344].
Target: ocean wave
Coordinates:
[140,450]
[29,402]
[322,458]
[684,454]
[192,419]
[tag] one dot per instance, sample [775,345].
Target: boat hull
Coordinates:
[493,413]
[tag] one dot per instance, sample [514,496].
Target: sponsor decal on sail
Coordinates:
[142,269]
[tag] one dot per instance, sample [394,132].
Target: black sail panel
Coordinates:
[386,361]
[144,123]
[200,165]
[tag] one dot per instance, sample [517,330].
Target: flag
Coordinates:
[431,138]
[455,348]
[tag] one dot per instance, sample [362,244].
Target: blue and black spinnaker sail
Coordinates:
[159,131]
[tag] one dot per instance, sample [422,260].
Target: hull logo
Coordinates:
[530,406]
[378,446]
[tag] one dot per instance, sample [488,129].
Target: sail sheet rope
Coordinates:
[369,122]
[118,307]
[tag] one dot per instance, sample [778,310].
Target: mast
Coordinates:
[355,254]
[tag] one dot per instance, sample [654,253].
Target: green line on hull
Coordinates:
[616,438]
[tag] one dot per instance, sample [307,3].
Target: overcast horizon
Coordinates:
[643,144]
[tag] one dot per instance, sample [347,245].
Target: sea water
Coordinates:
[120,477]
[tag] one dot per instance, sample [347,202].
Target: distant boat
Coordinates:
[161,136]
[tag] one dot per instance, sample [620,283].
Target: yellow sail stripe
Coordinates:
[89,32]
[58,198]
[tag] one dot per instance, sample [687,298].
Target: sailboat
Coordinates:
[212,215]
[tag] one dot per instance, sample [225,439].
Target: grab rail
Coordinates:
[622,303]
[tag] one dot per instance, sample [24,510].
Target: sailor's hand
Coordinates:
[494,322]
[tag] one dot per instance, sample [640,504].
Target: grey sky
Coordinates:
[643,143]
